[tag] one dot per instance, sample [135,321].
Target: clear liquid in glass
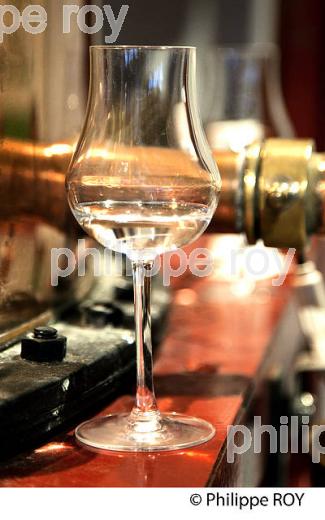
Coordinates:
[143,229]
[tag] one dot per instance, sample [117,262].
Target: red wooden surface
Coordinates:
[214,347]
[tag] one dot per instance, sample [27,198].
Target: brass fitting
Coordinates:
[283,189]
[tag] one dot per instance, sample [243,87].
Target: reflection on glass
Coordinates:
[246,103]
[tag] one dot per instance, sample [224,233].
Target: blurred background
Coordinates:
[295,26]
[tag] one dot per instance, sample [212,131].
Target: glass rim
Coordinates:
[140,47]
[259,49]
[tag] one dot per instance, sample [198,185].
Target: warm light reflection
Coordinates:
[54,446]
[51,176]
[58,149]
[234,135]
[101,153]
[321,166]
[185,297]
[197,455]
[307,399]
[94,180]
[250,180]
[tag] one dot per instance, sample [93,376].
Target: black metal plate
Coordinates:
[37,400]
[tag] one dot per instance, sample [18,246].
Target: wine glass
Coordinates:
[143,182]
[246,102]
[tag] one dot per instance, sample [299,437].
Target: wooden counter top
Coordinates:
[208,366]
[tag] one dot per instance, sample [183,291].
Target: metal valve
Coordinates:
[274,191]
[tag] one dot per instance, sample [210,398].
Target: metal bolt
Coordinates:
[45,333]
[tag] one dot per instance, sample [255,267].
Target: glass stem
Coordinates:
[145,417]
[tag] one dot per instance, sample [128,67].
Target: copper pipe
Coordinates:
[32,181]
[227,217]
[33,176]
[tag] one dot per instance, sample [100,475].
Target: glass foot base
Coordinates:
[115,433]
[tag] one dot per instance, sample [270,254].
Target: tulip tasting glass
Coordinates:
[142,182]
